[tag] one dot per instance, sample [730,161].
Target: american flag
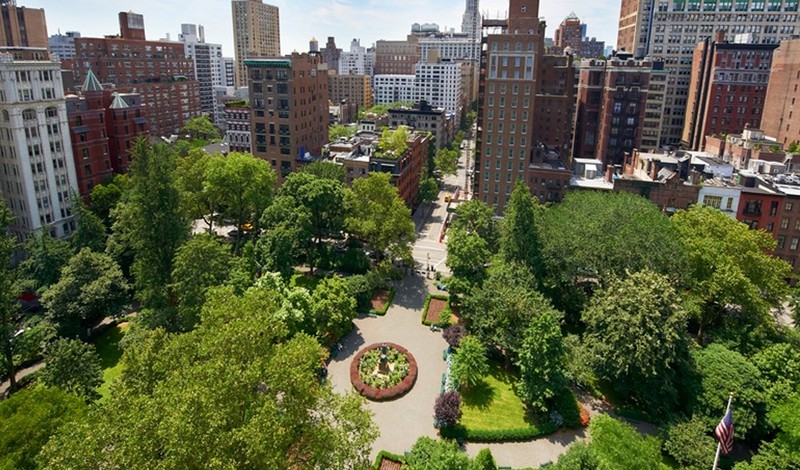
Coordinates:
[724,432]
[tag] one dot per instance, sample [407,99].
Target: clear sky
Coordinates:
[368,20]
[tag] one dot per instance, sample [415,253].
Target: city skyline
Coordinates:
[343,19]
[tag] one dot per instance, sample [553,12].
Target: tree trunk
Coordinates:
[11,370]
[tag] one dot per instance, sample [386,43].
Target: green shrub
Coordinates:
[354,261]
[361,290]
[567,405]
[369,362]
[499,435]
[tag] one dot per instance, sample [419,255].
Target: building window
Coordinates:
[793,246]
[781,242]
[784,223]
[788,207]
[712,201]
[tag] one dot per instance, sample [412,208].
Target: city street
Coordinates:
[430,249]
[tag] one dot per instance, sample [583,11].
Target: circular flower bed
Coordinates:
[383,382]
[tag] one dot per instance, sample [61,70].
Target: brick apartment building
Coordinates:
[727,89]
[611,107]
[22,27]
[569,34]
[779,120]
[397,57]
[353,88]
[157,70]
[289,99]
[526,101]
[103,125]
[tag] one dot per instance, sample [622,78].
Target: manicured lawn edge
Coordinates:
[386,305]
[388,456]
[498,435]
[443,322]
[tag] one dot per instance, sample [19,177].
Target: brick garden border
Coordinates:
[383,394]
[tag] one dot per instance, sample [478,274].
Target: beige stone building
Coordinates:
[256,33]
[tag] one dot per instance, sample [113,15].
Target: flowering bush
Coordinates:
[447,410]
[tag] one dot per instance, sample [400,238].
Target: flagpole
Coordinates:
[719,444]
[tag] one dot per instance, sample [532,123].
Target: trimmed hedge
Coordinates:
[443,322]
[499,435]
[386,305]
[383,394]
[388,456]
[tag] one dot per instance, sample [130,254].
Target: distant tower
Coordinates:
[256,33]
[471,25]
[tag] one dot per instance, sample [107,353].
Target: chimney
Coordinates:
[719,36]
[610,170]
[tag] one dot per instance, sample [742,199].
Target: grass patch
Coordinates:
[304,280]
[492,412]
[437,316]
[108,349]
[381,300]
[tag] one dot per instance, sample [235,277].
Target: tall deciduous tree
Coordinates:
[150,221]
[212,394]
[519,235]
[729,264]
[592,237]
[200,264]
[287,236]
[690,445]
[9,308]
[243,184]
[91,287]
[469,364]
[73,366]
[500,311]
[333,308]
[617,446]
[378,216]
[467,255]
[541,362]
[91,232]
[46,257]
[200,127]
[446,161]
[104,197]
[197,200]
[723,371]
[325,170]
[636,330]
[475,216]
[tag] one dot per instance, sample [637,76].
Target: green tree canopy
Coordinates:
[46,256]
[29,418]
[779,365]
[325,170]
[9,307]
[433,454]
[690,444]
[212,395]
[635,328]
[338,131]
[150,221]
[197,200]
[287,235]
[104,197]
[200,127]
[200,264]
[723,371]
[378,216]
[519,234]
[243,184]
[333,309]
[91,232]
[593,237]
[501,309]
[324,199]
[392,143]
[446,161]
[91,287]
[428,189]
[541,362]
[729,264]
[475,216]
[73,366]
[467,255]
[469,363]
[618,446]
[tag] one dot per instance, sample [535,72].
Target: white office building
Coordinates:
[390,89]
[37,170]
[357,61]
[439,83]
[63,45]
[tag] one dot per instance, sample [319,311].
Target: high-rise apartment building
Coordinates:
[289,99]
[158,70]
[353,88]
[35,153]
[611,106]
[569,34]
[397,57]
[670,30]
[63,45]
[256,33]
[439,83]
[525,106]
[209,68]
[727,89]
[779,119]
[393,89]
[21,26]
[471,26]
[359,60]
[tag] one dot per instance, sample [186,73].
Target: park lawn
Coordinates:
[492,404]
[304,280]
[107,346]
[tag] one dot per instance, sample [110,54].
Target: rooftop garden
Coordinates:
[392,144]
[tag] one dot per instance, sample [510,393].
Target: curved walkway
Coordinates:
[401,422]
